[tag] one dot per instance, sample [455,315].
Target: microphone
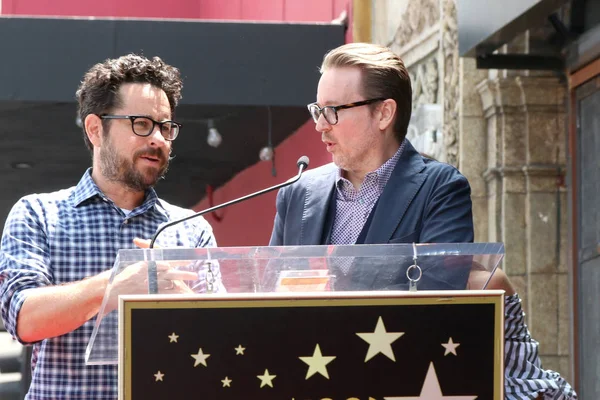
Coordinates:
[302,164]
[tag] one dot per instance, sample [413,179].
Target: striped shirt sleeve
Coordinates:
[524,376]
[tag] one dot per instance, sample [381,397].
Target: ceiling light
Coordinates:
[266,153]
[21,165]
[214,138]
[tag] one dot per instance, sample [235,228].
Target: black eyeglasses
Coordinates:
[144,126]
[331,112]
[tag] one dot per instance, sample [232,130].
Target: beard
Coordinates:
[116,168]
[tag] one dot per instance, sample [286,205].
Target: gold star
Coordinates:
[200,358]
[266,379]
[226,382]
[317,363]
[173,337]
[380,341]
[431,390]
[450,347]
[159,376]
[239,350]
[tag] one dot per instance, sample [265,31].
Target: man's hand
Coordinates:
[134,280]
[143,243]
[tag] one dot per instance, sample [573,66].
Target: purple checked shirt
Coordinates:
[353,206]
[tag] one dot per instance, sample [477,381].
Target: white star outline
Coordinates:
[200,358]
[380,341]
[266,379]
[317,363]
[450,347]
[173,337]
[431,390]
[239,351]
[226,382]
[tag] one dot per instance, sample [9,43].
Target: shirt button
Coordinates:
[126,221]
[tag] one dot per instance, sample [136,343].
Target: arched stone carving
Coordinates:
[425,128]
[419,15]
[449,47]
[425,82]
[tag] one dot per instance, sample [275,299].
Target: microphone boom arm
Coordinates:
[302,165]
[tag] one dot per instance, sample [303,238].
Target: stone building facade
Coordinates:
[506,132]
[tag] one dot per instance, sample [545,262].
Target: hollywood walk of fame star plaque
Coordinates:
[336,345]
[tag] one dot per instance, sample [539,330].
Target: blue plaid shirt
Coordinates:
[66,236]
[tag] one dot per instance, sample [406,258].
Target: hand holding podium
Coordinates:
[134,279]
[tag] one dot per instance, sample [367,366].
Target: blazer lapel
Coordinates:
[318,193]
[399,192]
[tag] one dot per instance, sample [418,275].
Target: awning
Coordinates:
[484,26]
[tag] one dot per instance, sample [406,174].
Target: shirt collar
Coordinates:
[87,189]
[381,174]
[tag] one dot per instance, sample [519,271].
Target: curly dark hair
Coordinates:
[99,89]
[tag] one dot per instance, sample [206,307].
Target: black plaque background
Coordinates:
[274,338]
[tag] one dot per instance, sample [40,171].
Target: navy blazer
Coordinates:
[424,201]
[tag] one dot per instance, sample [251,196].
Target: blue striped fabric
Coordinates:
[66,236]
[524,377]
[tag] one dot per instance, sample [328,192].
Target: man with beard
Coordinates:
[58,248]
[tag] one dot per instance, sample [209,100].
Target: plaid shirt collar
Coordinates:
[87,190]
[381,175]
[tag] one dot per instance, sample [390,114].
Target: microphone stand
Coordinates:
[152,269]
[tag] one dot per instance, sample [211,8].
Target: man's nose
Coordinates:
[322,124]
[157,138]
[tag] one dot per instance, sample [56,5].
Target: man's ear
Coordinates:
[93,129]
[387,112]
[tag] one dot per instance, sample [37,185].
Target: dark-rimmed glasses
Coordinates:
[331,112]
[142,125]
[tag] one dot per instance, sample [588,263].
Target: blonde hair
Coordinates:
[383,76]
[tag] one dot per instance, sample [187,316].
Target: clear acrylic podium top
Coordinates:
[293,269]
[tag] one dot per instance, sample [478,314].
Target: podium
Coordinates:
[390,321]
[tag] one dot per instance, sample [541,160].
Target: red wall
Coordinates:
[259,10]
[249,223]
